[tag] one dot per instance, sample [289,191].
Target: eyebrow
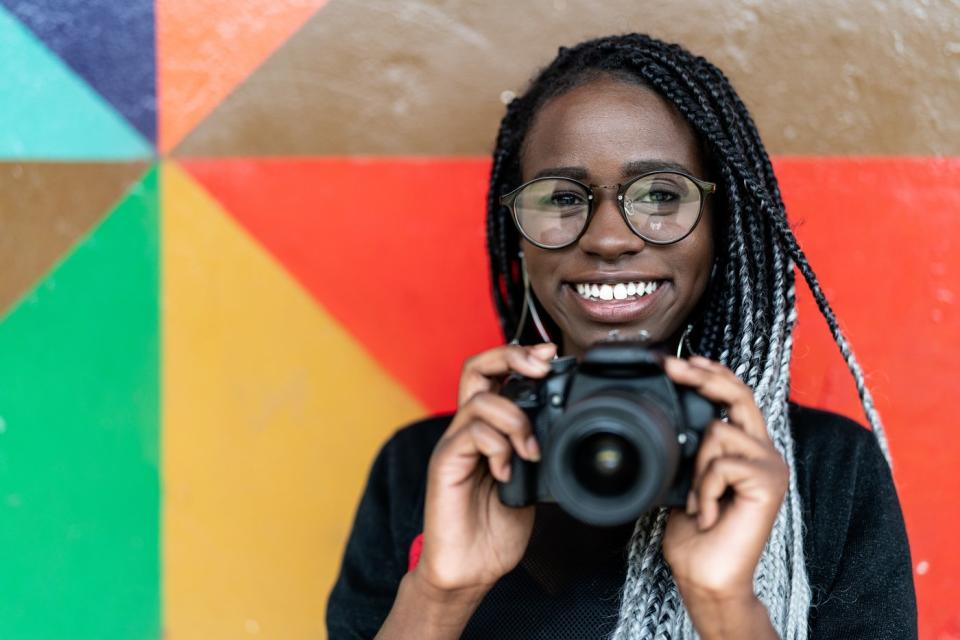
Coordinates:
[628,169]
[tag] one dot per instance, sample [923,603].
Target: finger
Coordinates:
[480,370]
[502,415]
[494,446]
[748,478]
[722,439]
[476,441]
[723,387]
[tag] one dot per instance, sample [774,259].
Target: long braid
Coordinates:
[745,321]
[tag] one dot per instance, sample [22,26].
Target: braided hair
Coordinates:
[745,319]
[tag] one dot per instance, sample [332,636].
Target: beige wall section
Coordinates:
[426,77]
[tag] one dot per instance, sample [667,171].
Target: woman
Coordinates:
[631,196]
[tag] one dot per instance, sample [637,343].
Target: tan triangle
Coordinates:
[387,78]
[45,208]
[272,415]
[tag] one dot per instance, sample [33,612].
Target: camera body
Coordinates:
[618,436]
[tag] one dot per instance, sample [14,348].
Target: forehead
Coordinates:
[605,124]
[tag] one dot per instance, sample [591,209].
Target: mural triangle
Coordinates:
[49,112]
[47,207]
[79,401]
[272,414]
[206,48]
[109,44]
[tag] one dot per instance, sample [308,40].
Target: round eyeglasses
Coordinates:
[662,207]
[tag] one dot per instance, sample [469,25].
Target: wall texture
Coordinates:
[203,341]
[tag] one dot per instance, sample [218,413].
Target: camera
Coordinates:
[617,436]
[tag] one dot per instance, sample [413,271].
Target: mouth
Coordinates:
[616,291]
[617,301]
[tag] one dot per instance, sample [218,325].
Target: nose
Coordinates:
[608,236]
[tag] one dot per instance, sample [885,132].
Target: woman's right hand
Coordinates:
[470,538]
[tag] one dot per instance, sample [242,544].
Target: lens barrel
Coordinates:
[611,456]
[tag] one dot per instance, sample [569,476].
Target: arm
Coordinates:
[422,611]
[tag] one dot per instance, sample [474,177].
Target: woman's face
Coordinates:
[603,133]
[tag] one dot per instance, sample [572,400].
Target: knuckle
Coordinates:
[470,364]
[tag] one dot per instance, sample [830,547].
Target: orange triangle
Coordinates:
[205,49]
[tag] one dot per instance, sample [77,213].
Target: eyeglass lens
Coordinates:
[660,207]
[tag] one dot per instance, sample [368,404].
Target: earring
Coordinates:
[685,340]
[528,305]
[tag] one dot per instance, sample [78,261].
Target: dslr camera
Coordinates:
[617,436]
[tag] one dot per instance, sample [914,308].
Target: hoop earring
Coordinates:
[685,340]
[528,305]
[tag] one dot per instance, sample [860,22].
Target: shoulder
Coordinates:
[818,433]
[836,459]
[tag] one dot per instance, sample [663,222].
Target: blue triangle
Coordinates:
[48,112]
[109,44]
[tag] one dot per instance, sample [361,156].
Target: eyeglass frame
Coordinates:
[706,188]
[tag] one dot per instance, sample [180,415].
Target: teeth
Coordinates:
[618,291]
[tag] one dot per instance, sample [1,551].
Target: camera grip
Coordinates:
[520,490]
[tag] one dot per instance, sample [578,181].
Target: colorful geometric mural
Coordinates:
[242,242]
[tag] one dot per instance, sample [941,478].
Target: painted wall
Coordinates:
[202,344]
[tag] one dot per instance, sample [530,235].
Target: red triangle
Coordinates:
[395,249]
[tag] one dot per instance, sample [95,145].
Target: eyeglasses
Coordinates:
[662,207]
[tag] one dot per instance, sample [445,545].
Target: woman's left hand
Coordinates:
[713,547]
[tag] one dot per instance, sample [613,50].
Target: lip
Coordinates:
[601,277]
[616,311]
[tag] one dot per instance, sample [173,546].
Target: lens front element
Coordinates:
[606,464]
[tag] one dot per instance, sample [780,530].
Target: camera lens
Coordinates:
[611,456]
[605,464]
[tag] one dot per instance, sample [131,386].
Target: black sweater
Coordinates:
[567,585]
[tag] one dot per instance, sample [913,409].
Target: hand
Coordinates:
[470,538]
[713,547]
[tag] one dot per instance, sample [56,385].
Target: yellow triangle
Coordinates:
[272,415]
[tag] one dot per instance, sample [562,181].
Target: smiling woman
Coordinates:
[631,197]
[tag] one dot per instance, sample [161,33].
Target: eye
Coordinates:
[564,199]
[658,196]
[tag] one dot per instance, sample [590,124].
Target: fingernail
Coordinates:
[533,449]
[545,350]
[505,473]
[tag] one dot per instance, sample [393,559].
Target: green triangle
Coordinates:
[79,438]
[49,112]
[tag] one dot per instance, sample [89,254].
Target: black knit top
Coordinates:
[568,583]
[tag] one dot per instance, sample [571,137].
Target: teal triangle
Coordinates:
[79,438]
[49,112]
